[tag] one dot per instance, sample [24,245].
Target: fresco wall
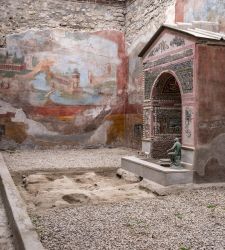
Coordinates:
[63,87]
[201,10]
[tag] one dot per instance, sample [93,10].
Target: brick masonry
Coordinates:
[133,17]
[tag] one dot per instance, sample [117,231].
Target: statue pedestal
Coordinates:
[162,175]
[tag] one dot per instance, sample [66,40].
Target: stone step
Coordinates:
[154,172]
[165,162]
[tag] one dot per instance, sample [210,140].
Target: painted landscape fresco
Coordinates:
[63,86]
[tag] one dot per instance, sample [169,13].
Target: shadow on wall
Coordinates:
[210,161]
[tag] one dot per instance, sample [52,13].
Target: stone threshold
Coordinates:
[25,235]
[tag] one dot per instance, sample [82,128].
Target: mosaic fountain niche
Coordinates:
[162,120]
[163,114]
[168,107]
[183,70]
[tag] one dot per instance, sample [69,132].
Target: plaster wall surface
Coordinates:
[210,125]
[201,10]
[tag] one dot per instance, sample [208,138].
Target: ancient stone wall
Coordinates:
[143,18]
[76,15]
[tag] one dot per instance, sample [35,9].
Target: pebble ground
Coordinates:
[64,159]
[191,220]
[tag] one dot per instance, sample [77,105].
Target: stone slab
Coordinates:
[156,173]
[174,189]
[6,239]
[23,230]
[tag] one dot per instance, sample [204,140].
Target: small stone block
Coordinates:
[165,162]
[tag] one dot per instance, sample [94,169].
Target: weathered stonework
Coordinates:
[144,16]
[89,15]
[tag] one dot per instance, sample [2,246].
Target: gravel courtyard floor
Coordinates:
[186,221]
[189,220]
[66,159]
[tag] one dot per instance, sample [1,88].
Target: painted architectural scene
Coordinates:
[66,82]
